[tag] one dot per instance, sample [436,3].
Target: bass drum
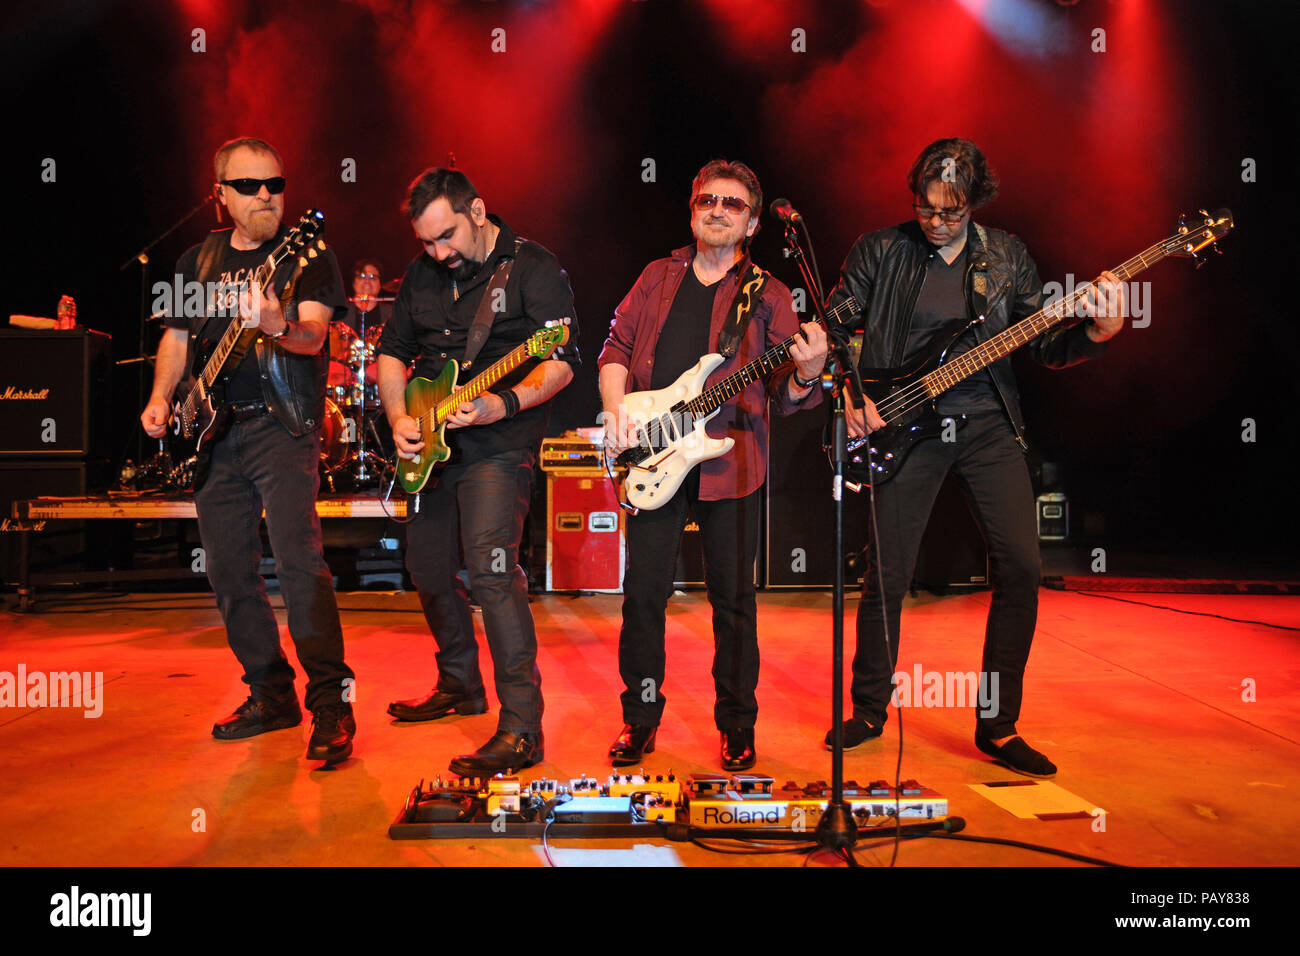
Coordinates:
[334,438]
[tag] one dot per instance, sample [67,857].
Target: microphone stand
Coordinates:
[837,830]
[142,257]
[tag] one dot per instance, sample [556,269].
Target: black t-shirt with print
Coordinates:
[320,282]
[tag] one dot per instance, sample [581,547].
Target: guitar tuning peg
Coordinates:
[302,261]
[311,253]
[320,244]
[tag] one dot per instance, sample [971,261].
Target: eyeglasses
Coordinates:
[706,201]
[367,275]
[950,216]
[251,187]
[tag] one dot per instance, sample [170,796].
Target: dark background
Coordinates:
[1098,153]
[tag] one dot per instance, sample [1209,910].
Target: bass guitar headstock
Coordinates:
[1196,232]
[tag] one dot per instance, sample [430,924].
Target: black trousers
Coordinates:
[257,465]
[990,467]
[729,533]
[478,509]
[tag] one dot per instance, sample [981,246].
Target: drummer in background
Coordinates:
[366,302]
[366,280]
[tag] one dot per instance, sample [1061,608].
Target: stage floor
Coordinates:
[1140,707]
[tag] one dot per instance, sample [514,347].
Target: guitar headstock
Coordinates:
[546,340]
[1196,232]
[303,240]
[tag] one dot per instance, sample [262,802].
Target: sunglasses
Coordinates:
[705,201]
[251,187]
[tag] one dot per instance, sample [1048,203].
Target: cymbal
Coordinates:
[392,285]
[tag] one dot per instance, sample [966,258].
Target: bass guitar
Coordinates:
[672,420]
[432,401]
[201,414]
[905,397]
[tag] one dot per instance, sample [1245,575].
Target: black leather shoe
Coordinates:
[738,748]
[332,730]
[856,732]
[504,753]
[1017,755]
[256,716]
[635,741]
[437,704]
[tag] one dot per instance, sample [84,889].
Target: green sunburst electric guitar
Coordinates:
[431,402]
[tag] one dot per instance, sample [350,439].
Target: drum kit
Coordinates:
[353,453]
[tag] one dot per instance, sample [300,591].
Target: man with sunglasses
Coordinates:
[680,309]
[269,456]
[911,281]
[476,282]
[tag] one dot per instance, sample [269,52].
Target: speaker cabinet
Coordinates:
[54,393]
[799,550]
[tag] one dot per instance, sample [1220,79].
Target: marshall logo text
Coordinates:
[28,394]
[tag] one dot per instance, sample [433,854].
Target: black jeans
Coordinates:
[729,533]
[478,508]
[990,467]
[257,465]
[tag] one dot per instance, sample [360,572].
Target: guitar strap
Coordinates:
[752,282]
[980,279]
[478,331]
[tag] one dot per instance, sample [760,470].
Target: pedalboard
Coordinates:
[625,805]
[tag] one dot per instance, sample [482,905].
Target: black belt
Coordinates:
[243,411]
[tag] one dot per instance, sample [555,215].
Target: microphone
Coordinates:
[782,209]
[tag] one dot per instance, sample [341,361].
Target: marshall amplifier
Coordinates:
[54,393]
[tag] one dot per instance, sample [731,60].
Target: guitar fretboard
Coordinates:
[477,386]
[260,279]
[1025,331]
[725,389]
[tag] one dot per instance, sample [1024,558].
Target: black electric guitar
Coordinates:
[201,415]
[905,396]
[671,420]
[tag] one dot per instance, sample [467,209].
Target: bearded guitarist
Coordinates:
[912,281]
[472,296]
[265,454]
[707,297]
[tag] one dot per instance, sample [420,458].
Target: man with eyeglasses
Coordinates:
[476,282]
[911,281]
[269,456]
[367,279]
[692,303]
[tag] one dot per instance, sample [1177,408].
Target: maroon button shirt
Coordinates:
[634,334]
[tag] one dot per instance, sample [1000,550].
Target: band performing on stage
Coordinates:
[461,361]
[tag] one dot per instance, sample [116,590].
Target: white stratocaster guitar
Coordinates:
[672,421]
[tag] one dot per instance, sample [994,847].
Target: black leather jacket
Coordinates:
[884,271]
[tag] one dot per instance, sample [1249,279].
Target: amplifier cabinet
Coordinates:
[55,545]
[54,393]
[585,549]
[799,548]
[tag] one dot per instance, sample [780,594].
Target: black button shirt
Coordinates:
[430,326]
